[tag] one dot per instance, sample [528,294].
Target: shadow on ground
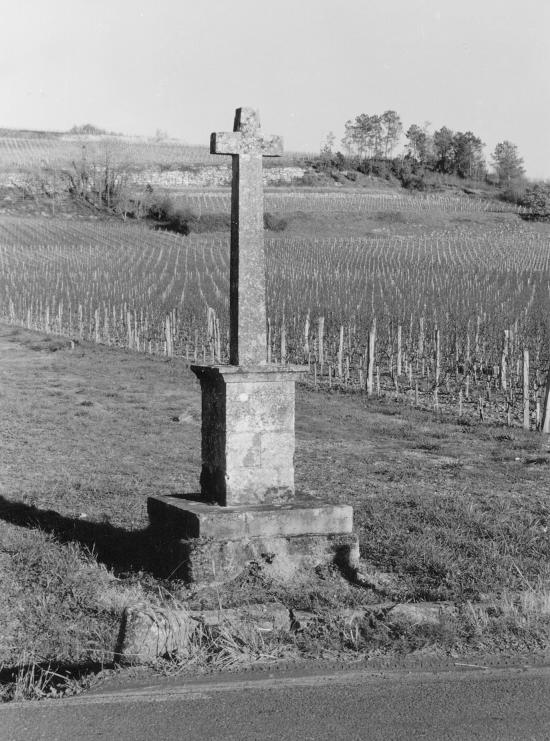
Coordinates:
[120,550]
[38,680]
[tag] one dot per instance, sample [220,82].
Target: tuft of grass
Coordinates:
[229,646]
[30,680]
[515,621]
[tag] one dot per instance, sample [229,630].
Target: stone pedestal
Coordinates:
[247,433]
[247,510]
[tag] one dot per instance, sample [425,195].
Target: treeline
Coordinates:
[89,129]
[373,139]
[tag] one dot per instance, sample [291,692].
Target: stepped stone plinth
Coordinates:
[213,544]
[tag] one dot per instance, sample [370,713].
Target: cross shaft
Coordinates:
[247,312]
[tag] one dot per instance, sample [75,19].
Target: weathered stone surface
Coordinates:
[247,433]
[265,616]
[183,518]
[422,613]
[247,145]
[301,619]
[148,633]
[282,558]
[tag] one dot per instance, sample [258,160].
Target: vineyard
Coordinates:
[354,202]
[451,320]
[62,150]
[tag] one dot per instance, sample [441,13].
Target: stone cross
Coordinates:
[248,511]
[247,313]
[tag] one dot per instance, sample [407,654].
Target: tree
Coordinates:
[371,136]
[507,162]
[364,136]
[327,144]
[361,134]
[468,155]
[376,137]
[86,129]
[419,143]
[444,153]
[391,130]
[348,141]
[537,200]
[368,135]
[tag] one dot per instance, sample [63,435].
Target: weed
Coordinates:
[31,679]
[229,646]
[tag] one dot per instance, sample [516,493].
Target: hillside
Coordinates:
[108,171]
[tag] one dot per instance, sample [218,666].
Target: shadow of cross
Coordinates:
[247,313]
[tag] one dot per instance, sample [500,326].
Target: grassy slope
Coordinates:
[452,511]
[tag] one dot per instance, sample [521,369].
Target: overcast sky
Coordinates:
[183,66]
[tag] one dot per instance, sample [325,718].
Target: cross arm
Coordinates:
[271,145]
[228,142]
[234,142]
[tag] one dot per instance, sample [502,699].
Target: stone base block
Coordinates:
[187,518]
[212,544]
[288,558]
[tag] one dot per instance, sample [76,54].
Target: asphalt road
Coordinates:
[501,704]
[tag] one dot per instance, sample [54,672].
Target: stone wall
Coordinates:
[210,176]
[201,177]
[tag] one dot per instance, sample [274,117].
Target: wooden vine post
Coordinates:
[320,341]
[526,416]
[437,357]
[399,351]
[503,359]
[370,360]
[341,353]
[546,407]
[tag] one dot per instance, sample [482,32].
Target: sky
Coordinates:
[183,66]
